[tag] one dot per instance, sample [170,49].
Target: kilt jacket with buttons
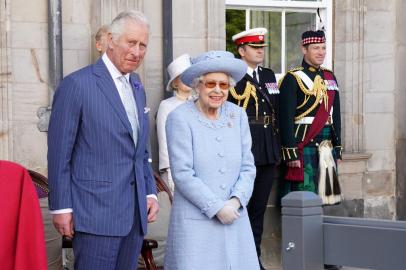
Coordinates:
[295,103]
[262,107]
[211,161]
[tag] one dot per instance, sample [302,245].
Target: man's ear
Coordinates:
[241,51]
[98,46]
[109,39]
[304,49]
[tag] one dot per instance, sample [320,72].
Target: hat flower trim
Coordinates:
[212,56]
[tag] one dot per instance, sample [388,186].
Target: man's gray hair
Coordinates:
[117,25]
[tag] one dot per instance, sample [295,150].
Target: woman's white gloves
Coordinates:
[229,213]
[234,202]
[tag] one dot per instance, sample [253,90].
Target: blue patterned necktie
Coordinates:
[127,97]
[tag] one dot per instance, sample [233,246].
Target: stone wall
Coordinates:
[400,71]
[365,56]
[24,59]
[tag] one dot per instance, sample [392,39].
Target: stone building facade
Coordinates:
[369,53]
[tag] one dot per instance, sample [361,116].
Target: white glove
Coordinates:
[234,202]
[228,214]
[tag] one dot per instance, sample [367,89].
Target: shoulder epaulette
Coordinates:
[296,69]
[326,69]
[290,71]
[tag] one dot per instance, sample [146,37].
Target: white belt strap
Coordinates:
[305,120]
[308,120]
[306,80]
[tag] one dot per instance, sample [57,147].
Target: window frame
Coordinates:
[283,6]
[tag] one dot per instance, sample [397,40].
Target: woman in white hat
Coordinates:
[209,145]
[181,93]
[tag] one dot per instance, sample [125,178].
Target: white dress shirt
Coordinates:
[250,71]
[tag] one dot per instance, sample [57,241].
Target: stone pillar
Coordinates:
[400,111]
[364,65]
[216,17]
[349,68]
[5,76]
[379,108]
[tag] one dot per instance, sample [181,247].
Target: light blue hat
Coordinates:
[214,61]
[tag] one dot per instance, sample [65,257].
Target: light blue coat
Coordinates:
[211,161]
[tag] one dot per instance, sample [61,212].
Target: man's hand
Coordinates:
[64,224]
[153,209]
[293,163]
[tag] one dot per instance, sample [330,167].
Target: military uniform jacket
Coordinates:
[262,111]
[295,103]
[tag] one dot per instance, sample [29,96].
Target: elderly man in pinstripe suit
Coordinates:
[102,192]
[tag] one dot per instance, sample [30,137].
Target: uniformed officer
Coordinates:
[310,123]
[258,93]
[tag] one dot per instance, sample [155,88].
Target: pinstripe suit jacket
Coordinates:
[93,166]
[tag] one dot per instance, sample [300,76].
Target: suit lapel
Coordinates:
[261,77]
[108,88]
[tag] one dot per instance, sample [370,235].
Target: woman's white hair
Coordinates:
[117,25]
[197,80]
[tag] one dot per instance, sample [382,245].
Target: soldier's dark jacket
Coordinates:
[261,105]
[294,102]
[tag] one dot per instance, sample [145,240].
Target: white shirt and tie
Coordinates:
[253,73]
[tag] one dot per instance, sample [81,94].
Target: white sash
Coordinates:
[306,80]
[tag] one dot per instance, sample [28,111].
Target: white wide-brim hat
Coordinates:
[214,61]
[176,67]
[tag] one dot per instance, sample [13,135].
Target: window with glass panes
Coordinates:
[285,20]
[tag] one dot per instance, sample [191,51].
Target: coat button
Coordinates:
[222,170]
[223,186]
[132,183]
[263,100]
[220,154]
[218,139]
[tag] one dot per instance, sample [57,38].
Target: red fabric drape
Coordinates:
[22,241]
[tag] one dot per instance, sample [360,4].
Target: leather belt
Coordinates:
[261,120]
[308,120]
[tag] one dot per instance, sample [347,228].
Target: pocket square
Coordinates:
[147,109]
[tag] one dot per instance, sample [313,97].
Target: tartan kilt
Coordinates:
[311,165]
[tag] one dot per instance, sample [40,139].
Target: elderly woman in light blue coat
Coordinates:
[213,168]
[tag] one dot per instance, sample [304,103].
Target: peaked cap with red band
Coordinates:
[311,37]
[254,37]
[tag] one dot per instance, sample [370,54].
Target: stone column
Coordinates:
[5,75]
[365,68]
[400,111]
[349,68]
[216,17]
